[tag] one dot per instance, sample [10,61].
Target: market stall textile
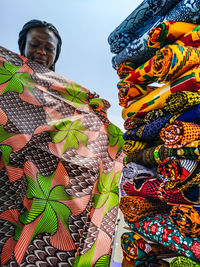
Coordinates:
[159,228]
[57,150]
[138,22]
[181,261]
[138,50]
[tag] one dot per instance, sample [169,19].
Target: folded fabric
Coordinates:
[159,228]
[179,174]
[186,219]
[151,189]
[133,122]
[138,22]
[148,132]
[60,162]
[153,115]
[181,261]
[134,207]
[125,69]
[130,92]
[173,60]
[181,101]
[156,99]
[138,50]
[179,133]
[133,171]
[168,32]
[131,146]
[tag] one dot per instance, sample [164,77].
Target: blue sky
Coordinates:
[84,26]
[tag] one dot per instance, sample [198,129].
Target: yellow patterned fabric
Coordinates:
[181,101]
[186,219]
[135,208]
[125,68]
[173,60]
[131,146]
[156,99]
[168,31]
[179,133]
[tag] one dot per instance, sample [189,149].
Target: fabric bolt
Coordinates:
[152,189]
[189,81]
[133,122]
[159,228]
[125,69]
[168,32]
[138,50]
[154,115]
[134,207]
[181,261]
[138,22]
[148,132]
[57,150]
[173,60]
[179,133]
[131,146]
[130,92]
[133,171]
[186,219]
[180,174]
[181,101]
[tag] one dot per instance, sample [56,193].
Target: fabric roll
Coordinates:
[181,101]
[57,151]
[138,50]
[189,81]
[125,69]
[138,22]
[133,171]
[133,122]
[134,207]
[181,261]
[152,189]
[168,32]
[179,174]
[148,132]
[159,228]
[131,146]
[186,219]
[154,115]
[173,60]
[179,134]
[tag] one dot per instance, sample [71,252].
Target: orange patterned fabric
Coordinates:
[179,133]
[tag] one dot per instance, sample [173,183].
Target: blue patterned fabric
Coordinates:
[138,50]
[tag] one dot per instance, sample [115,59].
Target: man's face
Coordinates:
[41,45]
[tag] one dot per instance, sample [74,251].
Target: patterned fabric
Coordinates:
[133,122]
[186,219]
[130,146]
[173,60]
[154,115]
[180,133]
[138,22]
[179,174]
[189,81]
[125,69]
[181,101]
[181,261]
[148,132]
[133,171]
[60,167]
[152,189]
[168,32]
[138,50]
[159,228]
[134,207]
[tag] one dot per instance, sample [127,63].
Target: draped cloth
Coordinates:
[181,261]
[59,155]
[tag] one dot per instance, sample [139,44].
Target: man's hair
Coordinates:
[39,24]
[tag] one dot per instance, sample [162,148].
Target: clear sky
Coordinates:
[84,26]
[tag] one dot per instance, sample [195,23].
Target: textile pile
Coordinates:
[158,63]
[60,165]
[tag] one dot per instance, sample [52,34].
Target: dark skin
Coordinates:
[41,45]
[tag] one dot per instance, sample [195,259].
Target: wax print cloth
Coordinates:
[138,50]
[183,261]
[168,32]
[131,146]
[159,228]
[59,169]
[138,22]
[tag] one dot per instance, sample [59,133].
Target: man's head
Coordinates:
[40,42]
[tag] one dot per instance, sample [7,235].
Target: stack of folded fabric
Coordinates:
[160,197]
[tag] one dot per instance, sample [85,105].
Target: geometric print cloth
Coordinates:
[60,165]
